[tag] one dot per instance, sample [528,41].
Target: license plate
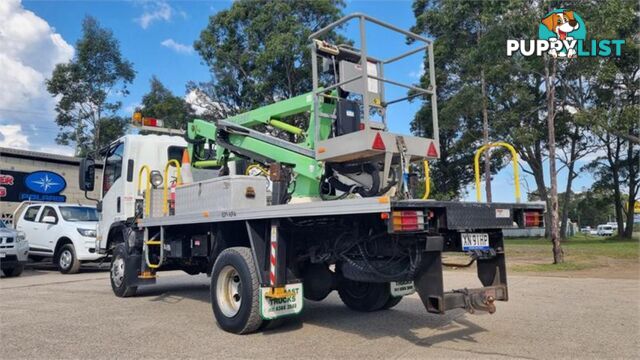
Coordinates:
[2,255]
[472,241]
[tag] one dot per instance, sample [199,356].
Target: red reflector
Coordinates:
[378,144]
[361,126]
[432,152]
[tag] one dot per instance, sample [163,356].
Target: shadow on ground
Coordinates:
[408,320]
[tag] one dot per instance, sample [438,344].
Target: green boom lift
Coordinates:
[345,147]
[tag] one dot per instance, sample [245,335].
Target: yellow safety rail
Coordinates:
[165,193]
[147,192]
[514,158]
[427,180]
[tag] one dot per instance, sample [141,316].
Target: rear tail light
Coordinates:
[533,219]
[408,220]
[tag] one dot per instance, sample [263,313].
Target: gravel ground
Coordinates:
[44,314]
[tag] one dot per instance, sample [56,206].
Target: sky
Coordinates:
[157,37]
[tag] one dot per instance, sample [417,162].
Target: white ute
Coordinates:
[64,232]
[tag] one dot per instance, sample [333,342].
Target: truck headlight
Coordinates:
[87,232]
[20,237]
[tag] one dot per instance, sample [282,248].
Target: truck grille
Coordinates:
[4,241]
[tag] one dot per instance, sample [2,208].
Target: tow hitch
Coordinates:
[428,281]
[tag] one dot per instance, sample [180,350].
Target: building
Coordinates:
[35,176]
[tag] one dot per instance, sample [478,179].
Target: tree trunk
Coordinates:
[567,193]
[485,137]
[633,158]
[558,254]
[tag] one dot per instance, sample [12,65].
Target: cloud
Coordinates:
[30,50]
[155,11]
[11,136]
[417,74]
[177,47]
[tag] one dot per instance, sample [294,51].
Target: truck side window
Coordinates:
[49,211]
[30,214]
[112,167]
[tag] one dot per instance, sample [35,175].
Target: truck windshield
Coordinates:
[78,213]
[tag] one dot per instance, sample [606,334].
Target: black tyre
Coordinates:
[66,260]
[118,273]
[363,296]
[391,302]
[235,291]
[13,271]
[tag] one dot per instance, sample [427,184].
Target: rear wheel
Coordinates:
[13,271]
[393,301]
[119,276]
[67,260]
[363,296]
[235,291]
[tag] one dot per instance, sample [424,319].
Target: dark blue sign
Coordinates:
[45,182]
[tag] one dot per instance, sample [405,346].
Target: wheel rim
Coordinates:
[358,289]
[117,271]
[65,259]
[228,291]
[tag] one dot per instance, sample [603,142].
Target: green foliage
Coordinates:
[591,207]
[467,42]
[258,53]
[160,103]
[86,86]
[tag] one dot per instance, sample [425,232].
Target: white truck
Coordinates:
[66,233]
[329,207]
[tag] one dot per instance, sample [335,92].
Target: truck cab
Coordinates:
[123,159]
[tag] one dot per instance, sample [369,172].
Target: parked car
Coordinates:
[14,250]
[66,233]
[586,230]
[605,230]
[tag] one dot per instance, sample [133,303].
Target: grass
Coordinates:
[581,252]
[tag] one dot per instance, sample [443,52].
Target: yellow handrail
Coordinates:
[147,203]
[165,205]
[427,180]
[514,158]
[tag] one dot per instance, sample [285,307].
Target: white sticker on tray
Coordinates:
[402,288]
[503,213]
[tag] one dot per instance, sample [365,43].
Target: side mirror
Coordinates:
[49,219]
[87,174]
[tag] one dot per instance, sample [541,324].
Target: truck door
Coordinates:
[112,190]
[31,227]
[46,233]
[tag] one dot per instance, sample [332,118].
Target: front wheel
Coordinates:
[119,275]
[235,291]
[68,262]
[364,296]
[13,271]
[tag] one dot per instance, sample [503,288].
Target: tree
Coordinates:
[86,85]
[258,51]
[160,103]
[467,69]
[613,118]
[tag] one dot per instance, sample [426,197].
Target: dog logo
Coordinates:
[565,26]
[563,34]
